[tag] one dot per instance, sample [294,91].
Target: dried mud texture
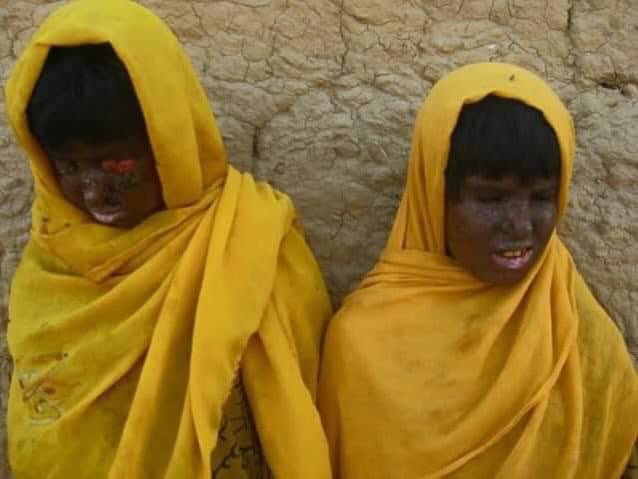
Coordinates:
[319,98]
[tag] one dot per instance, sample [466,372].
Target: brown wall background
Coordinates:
[319,98]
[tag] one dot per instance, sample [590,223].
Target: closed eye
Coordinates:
[488,195]
[66,167]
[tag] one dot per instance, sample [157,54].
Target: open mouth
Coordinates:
[513,259]
[107,216]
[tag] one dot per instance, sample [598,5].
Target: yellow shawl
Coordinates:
[126,342]
[429,373]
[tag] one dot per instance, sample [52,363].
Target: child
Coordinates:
[474,349]
[167,313]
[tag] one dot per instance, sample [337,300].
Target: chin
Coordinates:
[505,278]
[122,223]
[127,223]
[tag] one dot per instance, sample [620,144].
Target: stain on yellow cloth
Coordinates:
[238,453]
[428,372]
[126,343]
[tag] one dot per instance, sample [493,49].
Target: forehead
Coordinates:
[510,182]
[90,150]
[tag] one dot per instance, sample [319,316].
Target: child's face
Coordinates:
[116,182]
[498,228]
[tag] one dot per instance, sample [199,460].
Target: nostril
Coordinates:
[522,225]
[517,220]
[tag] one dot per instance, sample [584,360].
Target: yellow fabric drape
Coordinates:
[428,372]
[126,343]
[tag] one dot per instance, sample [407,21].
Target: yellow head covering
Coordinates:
[126,342]
[429,372]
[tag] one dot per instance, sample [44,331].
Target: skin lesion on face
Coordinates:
[498,228]
[115,183]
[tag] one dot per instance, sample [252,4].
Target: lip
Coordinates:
[514,264]
[107,217]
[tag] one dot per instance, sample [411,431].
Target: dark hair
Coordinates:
[84,94]
[497,137]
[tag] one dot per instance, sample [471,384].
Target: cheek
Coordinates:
[477,220]
[131,184]
[545,218]
[71,187]
[145,195]
[469,227]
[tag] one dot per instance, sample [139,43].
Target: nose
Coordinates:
[518,221]
[94,188]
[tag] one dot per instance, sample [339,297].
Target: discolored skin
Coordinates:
[115,182]
[493,215]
